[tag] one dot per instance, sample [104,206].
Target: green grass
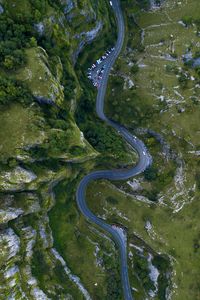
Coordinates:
[52,278]
[76,242]
[23,126]
[160,103]
[175,234]
[16,7]
[37,74]
[17,130]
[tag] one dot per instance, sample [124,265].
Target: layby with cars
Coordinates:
[96,71]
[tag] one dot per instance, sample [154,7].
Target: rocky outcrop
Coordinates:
[38,75]
[30,173]
[68,5]
[1,9]
[16,179]
[86,38]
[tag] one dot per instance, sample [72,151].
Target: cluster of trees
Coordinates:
[197,69]
[85,108]
[57,142]
[13,39]
[39,5]
[142,4]
[184,76]
[160,180]
[183,79]
[135,69]
[142,269]
[151,173]
[55,145]
[171,68]
[189,20]
[111,265]
[104,139]
[68,81]
[163,265]
[17,32]
[152,194]
[13,90]
[197,177]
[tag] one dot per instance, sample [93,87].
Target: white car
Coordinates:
[144,153]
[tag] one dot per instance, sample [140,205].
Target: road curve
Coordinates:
[144,159]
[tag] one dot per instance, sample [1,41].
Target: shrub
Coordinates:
[13,90]
[112,200]
[151,173]
[187,20]
[134,69]
[183,80]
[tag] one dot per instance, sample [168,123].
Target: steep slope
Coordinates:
[41,146]
[156,90]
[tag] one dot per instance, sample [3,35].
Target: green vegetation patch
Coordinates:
[89,255]
[176,235]
[38,76]
[17,130]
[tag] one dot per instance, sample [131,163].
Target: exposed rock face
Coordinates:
[9,244]
[16,179]
[155,4]
[86,38]
[40,28]
[1,9]
[68,5]
[30,173]
[44,85]
[9,214]
[71,276]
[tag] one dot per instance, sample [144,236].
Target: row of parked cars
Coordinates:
[95,72]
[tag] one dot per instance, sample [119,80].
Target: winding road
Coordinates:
[144,159]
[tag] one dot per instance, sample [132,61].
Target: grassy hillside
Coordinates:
[42,147]
[51,137]
[161,105]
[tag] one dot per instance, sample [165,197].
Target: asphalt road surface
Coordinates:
[144,159]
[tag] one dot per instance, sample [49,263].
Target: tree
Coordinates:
[8,62]
[187,20]
[197,69]
[134,69]
[151,173]
[33,42]
[13,90]
[183,80]
[37,16]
